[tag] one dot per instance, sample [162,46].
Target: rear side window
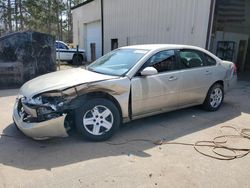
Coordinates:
[163,61]
[191,59]
[210,61]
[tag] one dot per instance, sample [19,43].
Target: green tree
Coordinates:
[48,16]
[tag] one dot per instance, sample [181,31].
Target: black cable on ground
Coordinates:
[215,144]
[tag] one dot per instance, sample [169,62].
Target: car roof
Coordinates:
[159,47]
[162,46]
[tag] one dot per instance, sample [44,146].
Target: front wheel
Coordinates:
[214,98]
[98,119]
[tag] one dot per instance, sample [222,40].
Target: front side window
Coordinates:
[191,59]
[163,61]
[117,62]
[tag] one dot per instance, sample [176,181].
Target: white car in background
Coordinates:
[71,55]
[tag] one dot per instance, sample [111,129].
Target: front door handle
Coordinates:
[172,78]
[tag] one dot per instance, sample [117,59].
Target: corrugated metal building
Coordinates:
[222,26]
[139,22]
[158,21]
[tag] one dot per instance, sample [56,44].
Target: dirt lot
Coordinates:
[73,162]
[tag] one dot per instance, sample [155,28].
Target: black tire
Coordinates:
[86,113]
[77,59]
[213,99]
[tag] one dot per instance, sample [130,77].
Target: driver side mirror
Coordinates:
[148,71]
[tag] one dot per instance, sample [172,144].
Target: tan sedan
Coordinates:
[123,85]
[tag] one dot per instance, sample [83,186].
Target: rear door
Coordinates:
[196,77]
[155,93]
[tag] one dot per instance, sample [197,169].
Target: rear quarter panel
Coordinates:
[231,75]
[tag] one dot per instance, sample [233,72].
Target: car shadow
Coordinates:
[18,151]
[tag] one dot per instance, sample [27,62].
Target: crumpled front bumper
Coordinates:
[40,130]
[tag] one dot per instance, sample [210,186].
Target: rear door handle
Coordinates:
[172,78]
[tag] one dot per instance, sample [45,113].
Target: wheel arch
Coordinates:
[221,82]
[96,94]
[75,54]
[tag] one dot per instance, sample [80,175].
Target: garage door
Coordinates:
[94,40]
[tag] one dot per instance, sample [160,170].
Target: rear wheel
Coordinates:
[77,59]
[98,119]
[214,98]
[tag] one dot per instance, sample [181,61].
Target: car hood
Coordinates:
[61,80]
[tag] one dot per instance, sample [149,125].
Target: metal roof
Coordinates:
[81,4]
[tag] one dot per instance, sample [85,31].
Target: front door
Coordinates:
[156,93]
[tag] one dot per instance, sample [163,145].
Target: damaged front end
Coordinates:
[47,104]
[50,113]
[42,116]
[43,107]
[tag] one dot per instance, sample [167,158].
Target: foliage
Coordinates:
[47,16]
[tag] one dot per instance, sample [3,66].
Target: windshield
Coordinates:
[117,62]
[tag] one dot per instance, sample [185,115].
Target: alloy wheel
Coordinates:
[216,97]
[98,120]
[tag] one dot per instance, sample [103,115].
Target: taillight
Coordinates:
[234,69]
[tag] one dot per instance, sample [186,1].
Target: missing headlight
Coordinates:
[44,110]
[45,106]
